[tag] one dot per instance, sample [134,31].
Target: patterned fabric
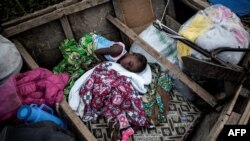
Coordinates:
[179,123]
[153,97]
[110,94]
[75,55]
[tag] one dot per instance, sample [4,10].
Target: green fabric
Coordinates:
[152,97]
[74,56]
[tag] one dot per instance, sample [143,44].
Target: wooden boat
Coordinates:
[37,37]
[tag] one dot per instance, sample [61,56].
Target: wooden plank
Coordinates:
[175,70]
[83,131]
[202,3]
[8,32]
[26,56]
[136,14]
[223,119]
[119,15]
[66,26]
[233,118]
[246,115]
[37,13]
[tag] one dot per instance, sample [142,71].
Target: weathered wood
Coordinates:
[224,116]
[93,19]
[233,101]
[37,13]
[120,16]
[135,14]
[83,131]
[65,24]
[25,55]
[202,3]
[51,16]
[233,119]
[184,78]
[66,27]
[246,115]
[202,129]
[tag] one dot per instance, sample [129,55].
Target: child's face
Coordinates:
[130,62]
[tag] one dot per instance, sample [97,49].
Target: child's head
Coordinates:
[134,62]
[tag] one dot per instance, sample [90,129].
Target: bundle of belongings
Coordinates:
[215,27]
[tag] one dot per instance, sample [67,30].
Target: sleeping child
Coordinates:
[116,52]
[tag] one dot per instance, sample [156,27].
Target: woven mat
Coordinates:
[181,118]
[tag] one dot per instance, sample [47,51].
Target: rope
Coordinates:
[165,9]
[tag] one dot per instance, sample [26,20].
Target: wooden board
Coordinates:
[42,43]
[93,19]
[233,119]
[223,119]
[244,120]
[25,55]
[38,13]
[179,74]
[24,26]
[66,27]
[136,14]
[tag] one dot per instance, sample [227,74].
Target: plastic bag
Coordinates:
[214,27]
[163,44]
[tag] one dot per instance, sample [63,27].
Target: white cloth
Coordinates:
[160,41]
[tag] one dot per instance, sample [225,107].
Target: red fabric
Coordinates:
[110,94]
[41,86]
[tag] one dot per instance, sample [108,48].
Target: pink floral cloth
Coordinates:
[110,94]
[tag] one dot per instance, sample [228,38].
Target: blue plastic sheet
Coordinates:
[240,7]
